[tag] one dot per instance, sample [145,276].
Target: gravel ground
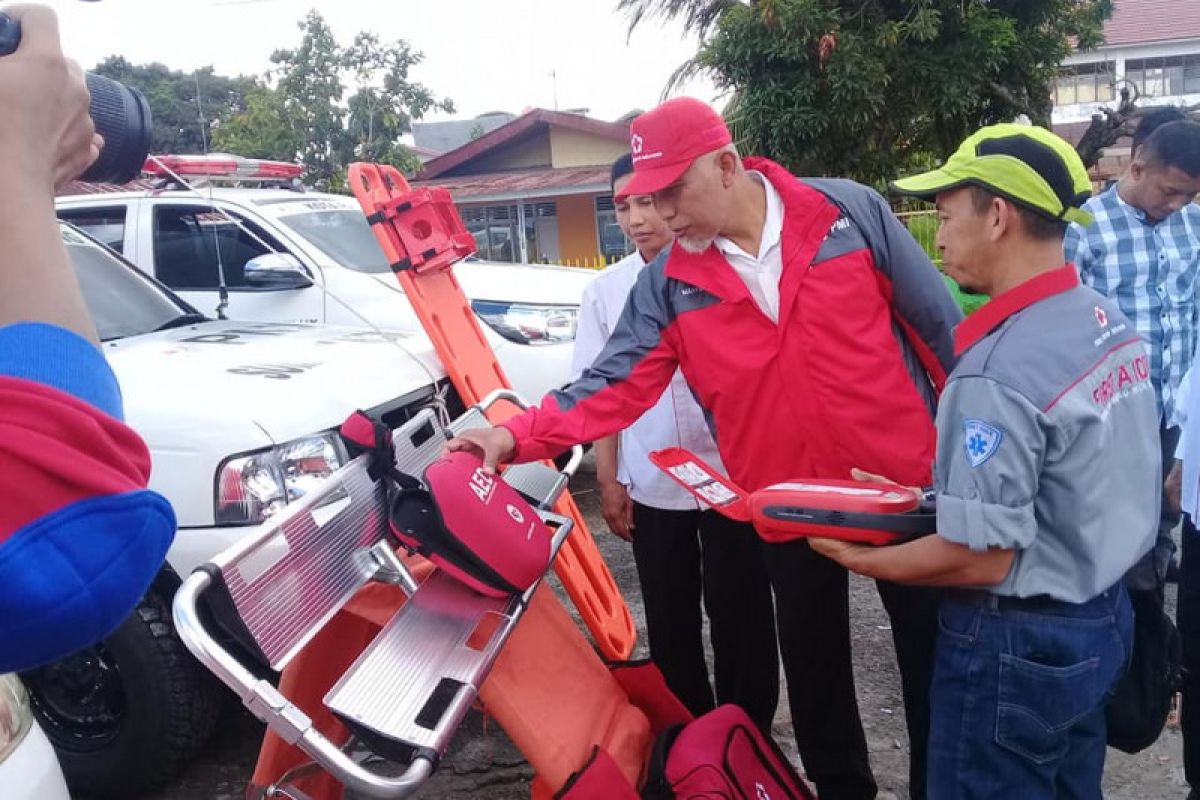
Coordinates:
[483,764]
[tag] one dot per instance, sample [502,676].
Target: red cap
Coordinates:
[666,140]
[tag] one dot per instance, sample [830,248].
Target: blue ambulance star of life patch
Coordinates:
[981,440]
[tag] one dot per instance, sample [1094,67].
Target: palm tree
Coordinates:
[699,16]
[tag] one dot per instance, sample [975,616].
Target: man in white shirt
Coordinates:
[684,554]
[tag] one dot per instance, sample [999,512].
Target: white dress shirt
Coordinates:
[761,272]
[676,420]
[1188,449]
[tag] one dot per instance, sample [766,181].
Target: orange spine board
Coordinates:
[401,217]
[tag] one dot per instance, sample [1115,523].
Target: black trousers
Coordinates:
[1151,571]
[813,612]
[1187,618]
[684,558]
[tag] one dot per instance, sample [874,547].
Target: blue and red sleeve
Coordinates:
[80,535]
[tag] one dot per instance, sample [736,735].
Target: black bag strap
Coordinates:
[436,537]
[363,433]
[657,786]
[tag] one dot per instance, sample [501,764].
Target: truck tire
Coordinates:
[126,715]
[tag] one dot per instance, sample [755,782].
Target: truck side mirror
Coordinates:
[276,271]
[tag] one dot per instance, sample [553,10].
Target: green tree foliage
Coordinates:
[385,101]
[335,130]
[321,103]
[263,130]
[309,82]
[171,95]
[872,88]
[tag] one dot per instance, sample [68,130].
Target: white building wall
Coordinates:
[1118,56]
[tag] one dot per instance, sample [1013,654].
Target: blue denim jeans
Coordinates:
[1019,689]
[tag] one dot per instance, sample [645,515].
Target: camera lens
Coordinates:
[120,113]
[122,117]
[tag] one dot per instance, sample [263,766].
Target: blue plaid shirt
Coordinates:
[1150,271]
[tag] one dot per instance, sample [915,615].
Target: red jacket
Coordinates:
[847,378]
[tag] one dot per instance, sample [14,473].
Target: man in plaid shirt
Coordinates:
[1143,250]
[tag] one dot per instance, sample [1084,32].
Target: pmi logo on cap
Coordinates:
[636,147]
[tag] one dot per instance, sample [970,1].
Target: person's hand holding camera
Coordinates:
[46,134]
[46,138]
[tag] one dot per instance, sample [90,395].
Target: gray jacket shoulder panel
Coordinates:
[863,206]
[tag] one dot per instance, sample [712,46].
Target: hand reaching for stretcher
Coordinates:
[838,549]
[493,445]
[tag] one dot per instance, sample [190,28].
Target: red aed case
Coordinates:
[857,511]
[473,525]
[469,523]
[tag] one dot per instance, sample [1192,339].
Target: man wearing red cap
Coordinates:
[816,335]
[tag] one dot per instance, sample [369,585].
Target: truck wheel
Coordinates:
[127,714]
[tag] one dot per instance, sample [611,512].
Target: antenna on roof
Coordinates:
[222,289]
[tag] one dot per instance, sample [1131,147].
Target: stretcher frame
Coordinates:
[254,607]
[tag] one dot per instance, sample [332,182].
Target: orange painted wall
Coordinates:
[577,227]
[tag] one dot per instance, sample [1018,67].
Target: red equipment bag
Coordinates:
[855,511]
[599,779]
[722,754]
[646,688]
[471,524]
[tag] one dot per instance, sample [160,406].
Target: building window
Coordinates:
[1191,74]
[512,233]
[613,244]
[1084,83]
[1165,77]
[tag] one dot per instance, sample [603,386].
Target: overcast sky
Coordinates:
[486,55]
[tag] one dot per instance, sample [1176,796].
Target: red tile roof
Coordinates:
[545,182]
[1140,21]
[527,123]
[80,187]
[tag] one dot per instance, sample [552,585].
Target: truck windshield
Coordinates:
[121,300]
[343,235]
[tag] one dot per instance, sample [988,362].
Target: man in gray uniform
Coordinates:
[1047,481]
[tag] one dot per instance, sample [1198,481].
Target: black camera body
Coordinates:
[120,113]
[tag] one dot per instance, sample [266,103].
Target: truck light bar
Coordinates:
[220,165]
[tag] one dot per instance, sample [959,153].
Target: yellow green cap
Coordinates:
[1026,164]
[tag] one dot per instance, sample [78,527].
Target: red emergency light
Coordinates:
[220,165]
[856,511]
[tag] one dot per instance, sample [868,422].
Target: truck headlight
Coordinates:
[529,324]
[253,486]
[16,718]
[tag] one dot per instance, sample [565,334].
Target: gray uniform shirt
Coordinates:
[1048,440]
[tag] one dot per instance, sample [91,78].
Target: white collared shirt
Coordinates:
[761,272]
[676,420]
[1188,449]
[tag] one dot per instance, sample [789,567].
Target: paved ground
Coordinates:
[484,765]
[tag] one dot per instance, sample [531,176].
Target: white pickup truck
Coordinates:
[309,257]
[240,420]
